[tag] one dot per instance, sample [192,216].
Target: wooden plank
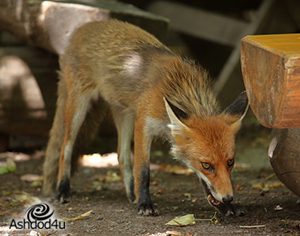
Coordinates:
[271,71]
[232,66]
[200,23]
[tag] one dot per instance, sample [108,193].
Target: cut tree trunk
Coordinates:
[284,154]
[49,24]
[271,71]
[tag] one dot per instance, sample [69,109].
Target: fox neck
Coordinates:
[188,88]
[184,85]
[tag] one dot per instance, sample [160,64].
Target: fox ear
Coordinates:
[238,108]
[175,115]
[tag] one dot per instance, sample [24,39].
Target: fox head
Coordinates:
[207,145]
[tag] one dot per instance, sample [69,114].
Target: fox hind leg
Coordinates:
[125,126]
[75,113]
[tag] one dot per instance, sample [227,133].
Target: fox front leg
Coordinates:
[142,144]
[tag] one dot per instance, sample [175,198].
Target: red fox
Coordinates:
[116,67]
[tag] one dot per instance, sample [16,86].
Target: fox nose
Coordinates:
[227,199]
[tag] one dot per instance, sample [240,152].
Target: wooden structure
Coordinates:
[284,154]
[28,75]
[50,24]
[271,71]
[271,16]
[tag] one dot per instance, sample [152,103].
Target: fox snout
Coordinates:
[227,199]
[218,190]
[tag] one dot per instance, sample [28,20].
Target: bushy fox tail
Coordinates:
[85,136]
[57,134]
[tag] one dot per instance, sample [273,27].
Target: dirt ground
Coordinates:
[271,209]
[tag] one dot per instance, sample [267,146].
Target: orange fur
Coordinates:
[146,87]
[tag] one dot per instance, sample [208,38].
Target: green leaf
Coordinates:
[9,166]
[183,220]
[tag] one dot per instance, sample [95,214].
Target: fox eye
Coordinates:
[207,166]
[230,162]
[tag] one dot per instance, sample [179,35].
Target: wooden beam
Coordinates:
[196,22]
[232,66]
[271,71]
[49,24]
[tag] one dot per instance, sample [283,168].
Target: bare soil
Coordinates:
[270,209]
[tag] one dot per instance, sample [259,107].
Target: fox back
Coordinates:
[117,57]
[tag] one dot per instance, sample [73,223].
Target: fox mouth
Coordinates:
[210,198]
[224,208]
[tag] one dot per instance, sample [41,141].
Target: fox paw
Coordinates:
[148,210]
[231,209]
[64,191]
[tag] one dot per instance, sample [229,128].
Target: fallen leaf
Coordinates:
[278,208]
[242,166]
[8,166]
[275,185]
[46,234]
[78,217]
[188,234]
[264,190]
[18,215]
[6,193]
[265,185]
[160,191]
[183,220]
[173,233]
[110,177]
[257,185]
[34,233]
[175,169]
[238,187]
[36,180]
[4,212]
[27,199]
[31,177]
[15,156]
[36,183]
[96,185]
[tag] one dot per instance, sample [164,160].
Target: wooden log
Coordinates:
[28,77]
[271,72]
[284,154]
[49,24]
